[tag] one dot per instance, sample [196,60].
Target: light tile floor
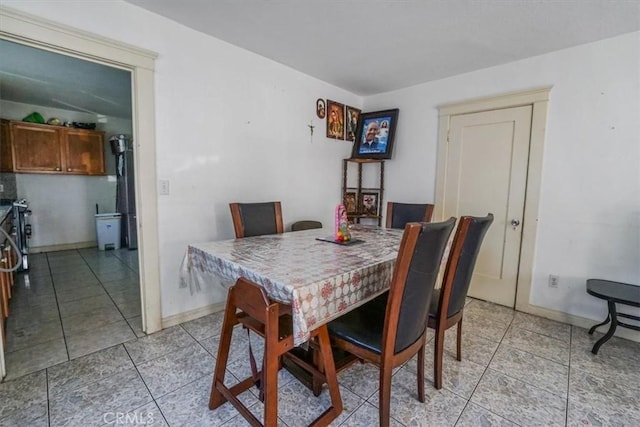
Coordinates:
[70,304]
[517,369]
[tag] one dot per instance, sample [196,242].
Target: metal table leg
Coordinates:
[594,327]
[612,327]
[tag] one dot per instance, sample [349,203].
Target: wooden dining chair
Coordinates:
[248,305]
[447,304]
[399,214]
[305,225]
[256,219]
[390,329]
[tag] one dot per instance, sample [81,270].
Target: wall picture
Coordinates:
[369,203]
[320,108]
[335,120]
[352,123]
[350,202]
[374,138]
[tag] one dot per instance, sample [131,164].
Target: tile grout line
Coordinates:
[566,408]
[107,292]
[55,293]
[46,381]
[153,399]
[523,381]
[483,374]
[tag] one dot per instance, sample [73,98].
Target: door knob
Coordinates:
[515,223]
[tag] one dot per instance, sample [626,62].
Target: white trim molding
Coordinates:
[186,316]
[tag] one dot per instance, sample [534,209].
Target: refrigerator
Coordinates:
[122,148]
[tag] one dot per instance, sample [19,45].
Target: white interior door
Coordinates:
[486,171]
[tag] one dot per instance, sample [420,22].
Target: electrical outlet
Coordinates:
[164,187]
[554,281]
[1,188]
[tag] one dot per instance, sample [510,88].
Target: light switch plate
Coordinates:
[164,187]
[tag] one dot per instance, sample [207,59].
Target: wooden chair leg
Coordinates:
[420,376]
[216,398]
[330,377]
[459,341]
[385,395]
[270,371]
[437,360]
[316,384]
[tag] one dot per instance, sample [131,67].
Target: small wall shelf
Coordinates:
[363,209]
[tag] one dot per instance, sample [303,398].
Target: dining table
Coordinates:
[321,280]
[318,277]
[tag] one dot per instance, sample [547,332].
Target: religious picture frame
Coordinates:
[352,115]
[321,110]
[351,202]
[369,203]
[335,119]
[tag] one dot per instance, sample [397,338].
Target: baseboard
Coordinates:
[186,316]
[579,321]
[62,247]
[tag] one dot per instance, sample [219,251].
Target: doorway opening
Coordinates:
[35,32]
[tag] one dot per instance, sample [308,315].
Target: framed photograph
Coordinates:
[369,203]
[374,136]
[335,120]
[321,111]
[351,202]
[352,123]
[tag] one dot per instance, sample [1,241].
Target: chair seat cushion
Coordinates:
[363,326]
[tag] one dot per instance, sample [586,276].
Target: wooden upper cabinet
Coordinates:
[36,148]
[6,157]
[84,152]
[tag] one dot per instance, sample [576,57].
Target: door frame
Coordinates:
[36,32]
[539,100]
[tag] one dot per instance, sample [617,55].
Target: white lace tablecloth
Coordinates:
[320,280]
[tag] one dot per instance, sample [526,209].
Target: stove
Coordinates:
[22,230]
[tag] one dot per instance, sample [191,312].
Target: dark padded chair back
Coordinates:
[256,219]
[399,214]
[420,281]
[305,225]
[478,227]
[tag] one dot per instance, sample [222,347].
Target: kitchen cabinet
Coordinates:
[36,148]
[84,151]
[6,164]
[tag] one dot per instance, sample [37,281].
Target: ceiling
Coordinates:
[373,46]
[34,76]
[363,46]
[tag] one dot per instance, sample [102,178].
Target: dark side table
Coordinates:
[613,292]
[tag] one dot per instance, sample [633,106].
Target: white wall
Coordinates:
[230,126]
[589,219]
[63,206]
